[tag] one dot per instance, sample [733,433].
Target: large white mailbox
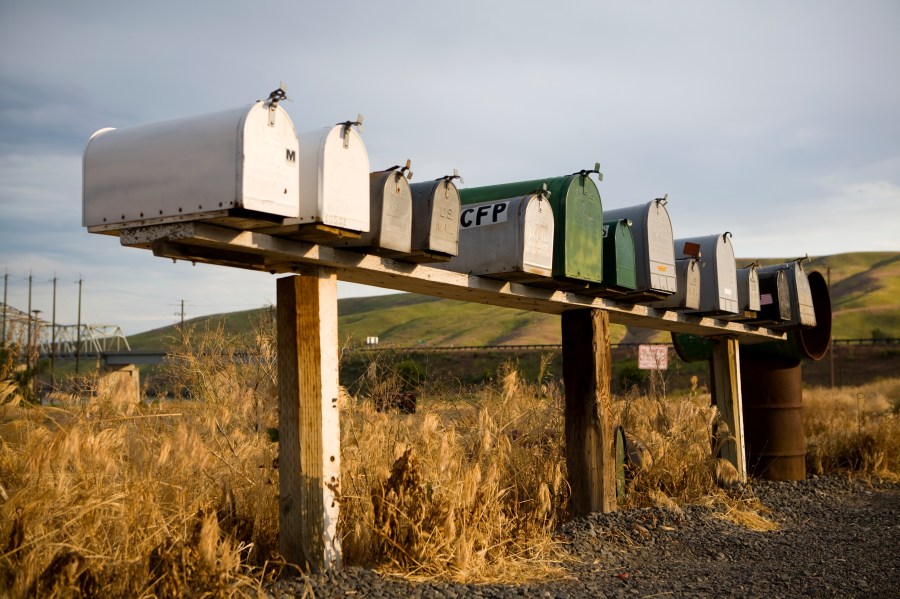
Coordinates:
[334,178]
[509,239]
[653,250]
[240,163]
[718,277]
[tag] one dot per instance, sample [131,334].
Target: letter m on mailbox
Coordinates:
[290,155]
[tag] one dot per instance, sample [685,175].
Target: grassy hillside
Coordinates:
[865,296]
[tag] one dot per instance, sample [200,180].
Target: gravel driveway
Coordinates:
[837,538]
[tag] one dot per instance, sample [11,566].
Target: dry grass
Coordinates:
[105,496]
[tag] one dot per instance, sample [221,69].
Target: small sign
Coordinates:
[653,357]
[483,215]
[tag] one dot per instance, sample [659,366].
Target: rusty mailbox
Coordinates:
[653,250]
[435,220]
[237,167]
[718,277]
[510,239]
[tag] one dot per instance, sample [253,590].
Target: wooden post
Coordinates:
[309,458]
[590,443]
[725,371]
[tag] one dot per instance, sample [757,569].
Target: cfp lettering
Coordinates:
[482,215]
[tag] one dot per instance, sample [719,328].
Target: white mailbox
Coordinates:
[653,250]
[390,215]
[435,226]
[688,295]
[237,164]
[334,179]
[509,239]
[718,277]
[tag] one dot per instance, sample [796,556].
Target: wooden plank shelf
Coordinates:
[201,242]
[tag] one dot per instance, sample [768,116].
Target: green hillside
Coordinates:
[865,292]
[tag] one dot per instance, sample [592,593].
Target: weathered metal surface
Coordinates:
[689,283]
[773,418]
[578,217]
[654,254]
[435,224]
[390,216]
[279,255]
[803,312]
[203,167]
[507,239]
[718,277]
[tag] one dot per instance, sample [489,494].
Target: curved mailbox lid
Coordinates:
[185,168]
[510,239]
[802,309]
[334,178]
[618,256]
[390,215]
[653,247]
[435,220]
[578,214]
[718,277]
[688,295]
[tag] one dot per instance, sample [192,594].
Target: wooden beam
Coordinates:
[725,373]
[309,459]
[590,443]
[288,255]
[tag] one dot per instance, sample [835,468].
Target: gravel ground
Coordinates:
[837,538]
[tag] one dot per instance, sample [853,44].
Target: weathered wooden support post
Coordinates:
[309,459]
[725,373]
[590,443]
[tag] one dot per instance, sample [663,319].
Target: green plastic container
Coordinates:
[578,217]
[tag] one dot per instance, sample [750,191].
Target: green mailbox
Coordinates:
[618,259]
[578,216]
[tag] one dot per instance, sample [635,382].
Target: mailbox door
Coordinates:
[578,213]
[390,215]
[618,256]
[688,295]
[726,276]
[443,229]
[537,236]
[334,179]
[180,169]
[748,288]
[774,296]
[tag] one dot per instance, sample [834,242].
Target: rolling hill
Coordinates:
[865,296]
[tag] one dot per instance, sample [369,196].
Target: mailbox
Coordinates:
[653,250]
[390,215]
[748,293]
[718,277]
[774,298]
[618,259]
[509,239]
[578,214]
[334,187]
[799,293]
[238,165]
[688,295]
[435,220]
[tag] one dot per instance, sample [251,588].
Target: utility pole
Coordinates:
[5,285]
[78,329]
[53,338]
[28,334]
[182,314]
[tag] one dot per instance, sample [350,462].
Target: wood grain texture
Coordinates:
[309,428]
[590,442]
[725,375]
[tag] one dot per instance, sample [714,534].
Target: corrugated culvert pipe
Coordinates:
[772,390]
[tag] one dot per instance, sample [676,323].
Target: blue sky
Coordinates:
[778,121]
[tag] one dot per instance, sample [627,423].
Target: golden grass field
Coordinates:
[106,496]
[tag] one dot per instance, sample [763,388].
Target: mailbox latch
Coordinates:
[345,131]
[272,102]
[448,179]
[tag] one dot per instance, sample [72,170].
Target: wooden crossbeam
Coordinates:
[281,255]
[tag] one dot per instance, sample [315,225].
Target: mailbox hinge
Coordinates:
[272,102]
[587,172]
[448,179]
[345,131]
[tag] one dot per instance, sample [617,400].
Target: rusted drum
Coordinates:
[773,418]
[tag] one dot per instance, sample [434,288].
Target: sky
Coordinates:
[778,121]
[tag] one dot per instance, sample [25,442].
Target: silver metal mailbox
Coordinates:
[240,163]
[390,215]
[718,277]
[774,298]
[748,293]
[688,295]
[653,249]
[435,220]
[802,311]
[508,239]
